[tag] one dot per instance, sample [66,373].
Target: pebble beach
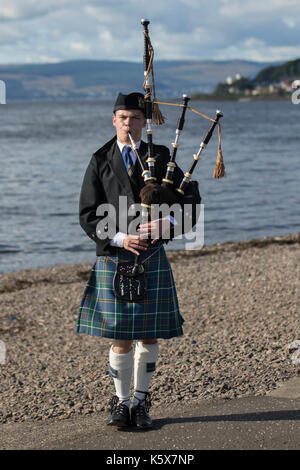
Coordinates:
[240,302]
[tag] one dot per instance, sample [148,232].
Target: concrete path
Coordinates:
[251,423]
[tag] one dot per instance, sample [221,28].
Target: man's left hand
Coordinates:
[155,229]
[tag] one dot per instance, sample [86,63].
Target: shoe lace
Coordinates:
[144,404]
[116,405]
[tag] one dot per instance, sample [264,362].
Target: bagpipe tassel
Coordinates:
[157,118]
[219,171]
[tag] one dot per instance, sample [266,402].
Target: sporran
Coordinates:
[130,282]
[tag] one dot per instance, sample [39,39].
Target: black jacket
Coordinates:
[106,179]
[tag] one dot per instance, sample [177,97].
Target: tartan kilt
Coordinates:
[101,313]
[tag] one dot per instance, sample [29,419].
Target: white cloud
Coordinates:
[111,29]
[257,50]
[9,12]
[179,45]
[24,9]
[11,34]
[41,59]
[80,47]
[291,22]
[236,8]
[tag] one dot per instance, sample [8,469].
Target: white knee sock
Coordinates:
[145,358]
[121,366]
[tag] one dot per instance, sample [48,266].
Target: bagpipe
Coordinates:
[153,192]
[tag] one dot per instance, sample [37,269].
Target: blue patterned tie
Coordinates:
[127,159]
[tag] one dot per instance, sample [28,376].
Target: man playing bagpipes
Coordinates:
[131,295]
[111,174]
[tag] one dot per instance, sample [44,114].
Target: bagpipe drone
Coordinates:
[129,282]
[152,192]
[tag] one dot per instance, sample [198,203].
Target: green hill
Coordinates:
[288,71]
[269,83]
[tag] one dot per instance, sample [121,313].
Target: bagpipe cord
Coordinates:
[219,170]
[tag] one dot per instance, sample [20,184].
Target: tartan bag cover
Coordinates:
[101,313]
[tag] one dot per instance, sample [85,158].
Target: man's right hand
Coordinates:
[135,242]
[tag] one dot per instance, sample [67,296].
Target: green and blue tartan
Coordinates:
[101,313]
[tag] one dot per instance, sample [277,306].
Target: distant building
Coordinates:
[259,90]
[296,84]
[286,85]
[272,88]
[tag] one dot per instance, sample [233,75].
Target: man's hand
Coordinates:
[135,242]
[155,229]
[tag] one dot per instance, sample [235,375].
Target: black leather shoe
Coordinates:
[119,414]
[139,416]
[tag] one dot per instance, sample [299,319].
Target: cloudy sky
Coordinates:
[56,30]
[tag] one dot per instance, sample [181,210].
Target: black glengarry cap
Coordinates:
[132,101]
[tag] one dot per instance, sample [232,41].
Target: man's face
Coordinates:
[132,121]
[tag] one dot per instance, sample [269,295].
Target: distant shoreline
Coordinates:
[240,98]
[173,255]
[196,97]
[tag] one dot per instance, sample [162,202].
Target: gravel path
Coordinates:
[240,302]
